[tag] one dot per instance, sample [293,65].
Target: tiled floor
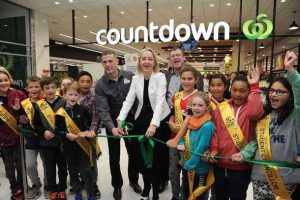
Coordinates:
[103,181]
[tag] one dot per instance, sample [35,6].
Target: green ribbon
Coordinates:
[126,125]
[147,154]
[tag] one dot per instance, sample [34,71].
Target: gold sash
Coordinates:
[272,174]
[213,105]
[233,129]
[191,173]
[29,110]
[73,128]
[178,114]
[9,119]
[47,112]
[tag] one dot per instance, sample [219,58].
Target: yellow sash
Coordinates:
[233,129]
[272,174]
[29,110]
[47,112]
[73,128]
[9,119]
[96,146]
[178,114]
[191,173]
[213,105]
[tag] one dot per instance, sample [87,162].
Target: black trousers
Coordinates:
[164,152]
[53,157]
[12,165]
[79,165]
[114,162]
[231,184]
[199,180]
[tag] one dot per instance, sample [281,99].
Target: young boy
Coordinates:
[32,147]
[73,124]
[44,123]
[87,100]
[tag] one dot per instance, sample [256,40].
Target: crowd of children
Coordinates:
[61,126]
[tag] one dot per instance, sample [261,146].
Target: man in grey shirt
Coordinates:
[111,90]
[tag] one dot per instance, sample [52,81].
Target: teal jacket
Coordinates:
[283,138]
[199,142]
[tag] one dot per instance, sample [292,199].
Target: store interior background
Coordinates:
[36,36]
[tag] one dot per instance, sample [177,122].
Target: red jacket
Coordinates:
[250,112]
[7,136]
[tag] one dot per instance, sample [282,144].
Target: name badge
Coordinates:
[126,81]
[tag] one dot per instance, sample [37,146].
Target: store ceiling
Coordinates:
[91,17]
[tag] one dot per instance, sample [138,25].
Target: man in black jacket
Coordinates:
[111,90]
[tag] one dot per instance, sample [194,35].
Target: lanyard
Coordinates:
[236,115]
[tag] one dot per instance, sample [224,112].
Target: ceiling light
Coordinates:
[211,5]
[150,9]
[5,25]
[71,1]
[283,47]
[261,46]
[216,48]
[228,4]
[122,12]
[179,7]
[85,16]
[294,26]
[249,53]
[56,2]
[237,40]
[282,1]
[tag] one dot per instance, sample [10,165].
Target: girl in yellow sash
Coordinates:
[181,105]
[197,139]
[235,122]
[73,124]
[9,136]
[278,134]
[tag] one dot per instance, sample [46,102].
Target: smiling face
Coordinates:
[110,64]
[49,90]
[199,107]
[217,88]
[85,83]
[34,89]
[188,81]
[72,96]
[177,59]
[4,83]
[278,95]
[239,92]
[147,62]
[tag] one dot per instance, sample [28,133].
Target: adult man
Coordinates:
[111,90]
[177,60]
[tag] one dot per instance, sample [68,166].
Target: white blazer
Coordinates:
[157,96]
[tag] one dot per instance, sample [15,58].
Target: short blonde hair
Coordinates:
[6,72]
[156,66]
[72,86]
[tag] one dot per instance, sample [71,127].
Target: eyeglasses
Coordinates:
[278,92]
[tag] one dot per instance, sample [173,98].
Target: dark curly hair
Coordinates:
[285,110]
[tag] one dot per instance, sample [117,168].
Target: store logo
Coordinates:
[260,30]
[114,36]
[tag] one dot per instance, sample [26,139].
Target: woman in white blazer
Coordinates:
[149,87]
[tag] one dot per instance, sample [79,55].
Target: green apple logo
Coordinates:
[260,30]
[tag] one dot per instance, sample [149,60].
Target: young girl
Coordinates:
[235,123]
[279,142]
[181,105]
[63,83]
[9,136]
[73,123]
[197,139]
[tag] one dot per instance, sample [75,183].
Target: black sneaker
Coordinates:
[97,192]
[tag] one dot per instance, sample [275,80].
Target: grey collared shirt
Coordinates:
[174,87]
[110,95]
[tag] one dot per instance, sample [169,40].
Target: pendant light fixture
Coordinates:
[249,53]
[261,46]
[294,26]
